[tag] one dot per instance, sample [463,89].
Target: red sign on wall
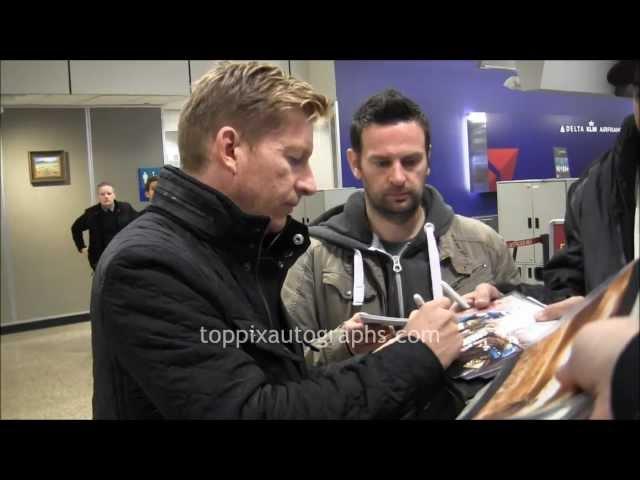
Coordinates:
[502,165]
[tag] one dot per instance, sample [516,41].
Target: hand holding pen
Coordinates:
[481,297]
[419,301]
[450,293]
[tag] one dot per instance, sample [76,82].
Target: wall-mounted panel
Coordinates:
[130,77]
[23,77]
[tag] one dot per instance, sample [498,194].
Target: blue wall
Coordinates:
[448,90]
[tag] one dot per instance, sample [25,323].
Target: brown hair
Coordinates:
[388,108]
[250,97]
[150,180]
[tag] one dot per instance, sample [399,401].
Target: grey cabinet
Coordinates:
[525,208]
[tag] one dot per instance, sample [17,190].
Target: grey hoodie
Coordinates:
[319,293]
[347,226]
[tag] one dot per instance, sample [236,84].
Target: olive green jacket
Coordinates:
[318,290]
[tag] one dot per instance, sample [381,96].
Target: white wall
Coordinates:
[322,162]
[129,77]
[123,140]
[577,76]
[300,69]
[123,79]
[18,77]
[136,77]
[322,75]
[325,159]
[574,76]
[43,273]
[170,137]
[170,120]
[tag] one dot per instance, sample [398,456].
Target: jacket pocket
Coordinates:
[465,282]
[342,285]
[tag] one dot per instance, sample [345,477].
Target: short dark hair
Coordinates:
[150,180]
[387,108]
[104,184]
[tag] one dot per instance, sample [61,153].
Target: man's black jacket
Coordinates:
[91,220]
[598,219]
[194,268]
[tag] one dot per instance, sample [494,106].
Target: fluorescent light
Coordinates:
[498,64]
[465,156]
[477,117]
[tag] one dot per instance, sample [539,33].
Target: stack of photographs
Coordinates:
[527,387]
[493,335]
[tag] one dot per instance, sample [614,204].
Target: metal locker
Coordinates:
[515,216]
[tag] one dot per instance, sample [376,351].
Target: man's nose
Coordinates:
[397,175]
[306,183]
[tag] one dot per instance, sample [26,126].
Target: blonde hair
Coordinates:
[250,97]
[104,184]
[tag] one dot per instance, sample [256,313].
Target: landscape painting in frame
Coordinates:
[48,167]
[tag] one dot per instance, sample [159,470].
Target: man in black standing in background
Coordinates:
[103,220]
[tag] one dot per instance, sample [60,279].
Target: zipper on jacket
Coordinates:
[257,269]
[397,268]
[264,300]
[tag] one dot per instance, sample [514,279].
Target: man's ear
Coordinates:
[429,161]
[224,145]
[354,163]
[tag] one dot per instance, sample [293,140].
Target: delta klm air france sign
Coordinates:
[521,146]
[590,128]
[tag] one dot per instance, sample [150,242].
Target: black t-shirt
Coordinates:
[394,248]
[109,222]
[416,277]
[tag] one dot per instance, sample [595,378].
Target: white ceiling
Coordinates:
[165,101]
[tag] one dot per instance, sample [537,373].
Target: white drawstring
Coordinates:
[434,261]
[434,267]
[358,278]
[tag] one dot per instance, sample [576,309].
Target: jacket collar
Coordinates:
[98,207]
[214,217]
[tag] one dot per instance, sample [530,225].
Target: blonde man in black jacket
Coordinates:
[103,220]
[186,315]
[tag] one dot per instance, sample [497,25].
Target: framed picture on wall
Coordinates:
[48,167]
